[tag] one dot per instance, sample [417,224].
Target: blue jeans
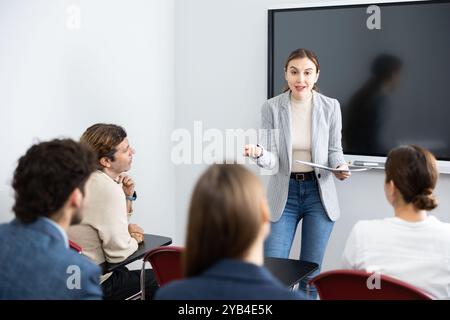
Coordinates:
[303,203]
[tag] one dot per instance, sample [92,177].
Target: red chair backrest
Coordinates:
[354,285]
[166,263]
[75,246]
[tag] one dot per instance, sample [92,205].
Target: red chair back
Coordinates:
[355,284]
[75,246]
[166,264]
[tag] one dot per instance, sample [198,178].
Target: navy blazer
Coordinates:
[35,263]
[229,279]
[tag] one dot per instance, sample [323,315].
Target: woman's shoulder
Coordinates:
[278,100]
[369,226]
[327,101]
[439,225]
[275,104]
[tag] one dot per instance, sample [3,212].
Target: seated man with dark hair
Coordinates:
[35,259]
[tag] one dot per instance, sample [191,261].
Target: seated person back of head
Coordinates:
[35,259]
[104,233]
[411,246]
[223,258]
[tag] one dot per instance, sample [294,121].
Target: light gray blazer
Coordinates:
[326,149]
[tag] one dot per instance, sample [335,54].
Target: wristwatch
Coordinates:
[133,197]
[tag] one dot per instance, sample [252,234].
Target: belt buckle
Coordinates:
[300,176]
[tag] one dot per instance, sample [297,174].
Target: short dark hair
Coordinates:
[47,174]
[103,139]
[414,172]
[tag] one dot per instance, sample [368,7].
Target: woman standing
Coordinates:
[309,127]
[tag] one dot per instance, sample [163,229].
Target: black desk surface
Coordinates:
[151,241]
[288,271]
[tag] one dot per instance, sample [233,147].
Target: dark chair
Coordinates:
[354,285]
[166,265]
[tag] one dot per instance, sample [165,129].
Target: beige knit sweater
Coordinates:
[103,232]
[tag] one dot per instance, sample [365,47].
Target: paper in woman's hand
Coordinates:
[351,168]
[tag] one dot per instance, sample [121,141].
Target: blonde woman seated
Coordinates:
[228,222]
[411,246]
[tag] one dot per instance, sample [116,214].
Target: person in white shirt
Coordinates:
[411,246]
[104,233]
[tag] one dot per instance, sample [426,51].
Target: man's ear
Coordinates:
[391,190]
[105,162]
[75,198]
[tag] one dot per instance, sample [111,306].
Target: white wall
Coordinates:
[221,68]
[151,66]
[117,68]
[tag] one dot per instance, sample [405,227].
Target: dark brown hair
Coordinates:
[299,54]
[47,174]
[413,171]
[224,216]
[103,139]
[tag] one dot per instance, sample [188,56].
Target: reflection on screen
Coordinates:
[393,83]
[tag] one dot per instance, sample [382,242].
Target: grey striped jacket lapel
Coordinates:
[315,119]
[286,125]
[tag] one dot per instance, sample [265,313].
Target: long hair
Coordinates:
[224,216]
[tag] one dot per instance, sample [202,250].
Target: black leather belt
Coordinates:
[303,176]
